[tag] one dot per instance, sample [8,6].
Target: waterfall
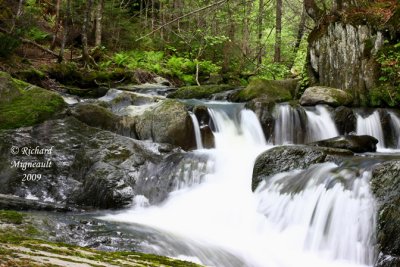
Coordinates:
[288,127]
[299,125]
[221,222]
[320,124]
[395,121]
[197,132]
[330,216]
[371,125]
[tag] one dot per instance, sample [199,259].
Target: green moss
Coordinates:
[33,106]
[199,92]
[9,216]
[21,236]
[276,91]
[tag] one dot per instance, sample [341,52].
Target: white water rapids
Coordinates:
[317,226]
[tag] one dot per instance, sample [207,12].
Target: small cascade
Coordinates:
[320,124]
[288,126]
[197,132]
[331,211]
[251,128]
[395,121]
[371,125]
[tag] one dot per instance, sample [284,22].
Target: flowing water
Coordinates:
[299,125]
[396,127]
[320,217]
[197,132]
[371,125]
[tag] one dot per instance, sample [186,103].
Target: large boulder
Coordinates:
[385,185]
[287,158]
[95,116]
[84,166]
[345,119]
[355,143]
[271,90]
[325,95]
[164,122]
[23,104]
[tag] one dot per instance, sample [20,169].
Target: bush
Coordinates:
[8,44]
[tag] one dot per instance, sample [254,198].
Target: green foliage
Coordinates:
[36,34]
[385,95]
[8,44]
[274,71]
[388,92]
[155,61]
[389,59]
[9,216]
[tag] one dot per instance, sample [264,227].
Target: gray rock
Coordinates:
[89,167]
[344,119]
[287,158]
[385,185]
[325,95]
[165,122]
[355,143]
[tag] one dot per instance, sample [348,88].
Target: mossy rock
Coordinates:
[200,92]
[95,116]
[275,91]
[24,242]
[325,95]
[23,104]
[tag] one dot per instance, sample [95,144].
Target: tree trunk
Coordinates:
[57,26]
[85,26]
[260,31]
[313,10]
[99,18]
[65,31]
[18,14]
[278,31]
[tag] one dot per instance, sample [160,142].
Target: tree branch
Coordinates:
[27,41]
[181,17]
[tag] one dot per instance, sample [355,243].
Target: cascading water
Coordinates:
[287,125]
[371,125]
[320,124]
[299,125]
[220,222]
[396,127]
[197,132]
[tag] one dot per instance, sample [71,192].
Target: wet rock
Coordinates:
[287,158]
[345,120]
[165,122]
[264,110]
[355,143]
[325,95]
[88,167]
[95,116]
[385,185]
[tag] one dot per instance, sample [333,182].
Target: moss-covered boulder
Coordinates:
[287,158]
[273,91]
[355,143]
[29,239]
[23,104]
[325,95]
[200,92]
[385,185]
[164,122]
[95,116]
